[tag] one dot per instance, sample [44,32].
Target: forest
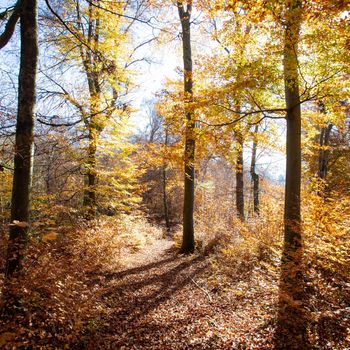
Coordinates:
[175,174]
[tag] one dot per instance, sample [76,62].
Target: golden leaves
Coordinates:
[51,236]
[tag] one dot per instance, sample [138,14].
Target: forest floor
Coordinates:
[163,300]
[88,291]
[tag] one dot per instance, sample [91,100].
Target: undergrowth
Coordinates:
[58,301]
[245,259]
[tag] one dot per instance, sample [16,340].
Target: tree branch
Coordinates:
[11,25]
[41,121]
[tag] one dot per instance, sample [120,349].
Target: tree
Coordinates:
[23,160]
[156,150]
[190,143]
[10,24]
[95,42]
[239,175]
[292,328]
[255,177]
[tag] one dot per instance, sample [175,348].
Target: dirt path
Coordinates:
[160,301]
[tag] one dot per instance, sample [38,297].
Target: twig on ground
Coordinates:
[202,289]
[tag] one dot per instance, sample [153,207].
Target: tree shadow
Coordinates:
[292,307]
[129,302]
[139,269]
[295,327]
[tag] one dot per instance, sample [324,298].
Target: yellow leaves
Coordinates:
[326,227]
[51,236]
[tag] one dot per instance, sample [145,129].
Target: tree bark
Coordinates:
[23,161]
[291,323]
[239,177]
[164,188]
[165,199]
[324,152]
[324,143]
[255,177]
[90,202]
[189,178]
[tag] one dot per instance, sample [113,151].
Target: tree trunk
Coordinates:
[324,143]
[90,178]
[239,178]
[90,59]
[253,174]
[188,208]
[165,199]
[324,152]
[291,323]
[23,161]
[164,185]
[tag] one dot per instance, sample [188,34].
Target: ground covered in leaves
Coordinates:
[151,297]
[162,300]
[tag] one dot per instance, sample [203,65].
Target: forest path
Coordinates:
[154,302]
[161,301]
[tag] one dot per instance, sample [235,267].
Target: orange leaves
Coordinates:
[6,337]
[51,236]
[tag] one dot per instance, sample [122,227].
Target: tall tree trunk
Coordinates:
[188,208]
[91,61]
[239,177]
[291,322]
[253,174]
[23,161]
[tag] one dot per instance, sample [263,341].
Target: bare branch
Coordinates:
[42,121]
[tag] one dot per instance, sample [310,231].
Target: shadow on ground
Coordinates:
[131,295]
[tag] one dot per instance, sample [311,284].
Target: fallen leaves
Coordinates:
[21,224]
[51,236]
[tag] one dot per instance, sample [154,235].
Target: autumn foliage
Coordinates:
[209,211]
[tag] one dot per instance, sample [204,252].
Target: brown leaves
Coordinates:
[21,224]
[6,337]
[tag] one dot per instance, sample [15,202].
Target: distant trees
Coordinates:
[160,156]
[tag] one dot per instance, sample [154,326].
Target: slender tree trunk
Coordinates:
[189,178]
[23,162]
[239,178]
[324,152]
[253,174]
[291,323]
[165,199]
[324,143]
[90,178]
[164,188]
